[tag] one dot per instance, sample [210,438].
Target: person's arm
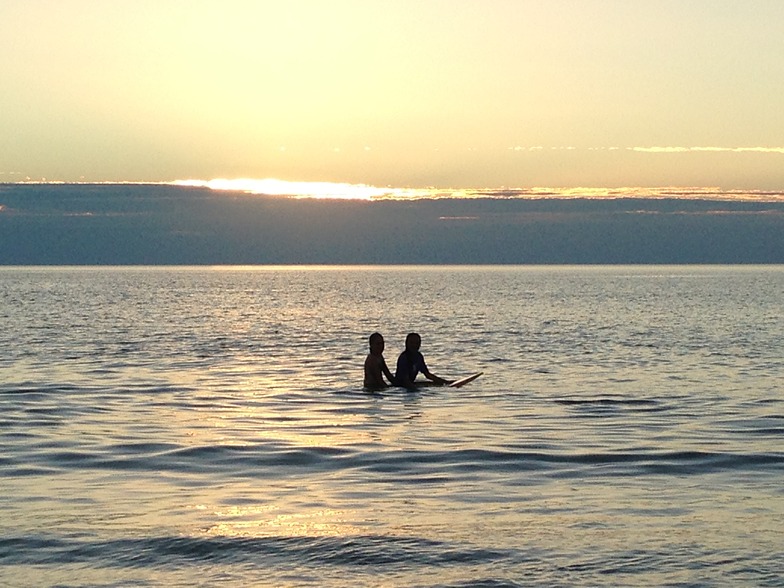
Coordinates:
[379,367]
[387,373]
[434,378]
[431,376]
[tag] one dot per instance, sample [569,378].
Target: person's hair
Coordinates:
[375,337]
[412,336]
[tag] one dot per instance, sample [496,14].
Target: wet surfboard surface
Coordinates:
[464,381]
[455,384]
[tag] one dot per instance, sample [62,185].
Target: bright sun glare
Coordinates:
[274,187]
[343,191]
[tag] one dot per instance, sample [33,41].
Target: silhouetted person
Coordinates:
[411,362]
[376,365]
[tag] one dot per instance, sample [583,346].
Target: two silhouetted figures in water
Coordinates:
[410,363]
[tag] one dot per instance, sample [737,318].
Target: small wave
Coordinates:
[402,465]
[360,550]
[602,405]
[485,583]
[607,402]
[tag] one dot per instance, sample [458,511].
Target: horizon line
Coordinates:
[272,187]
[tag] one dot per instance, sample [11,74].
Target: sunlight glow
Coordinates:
[274,187]
[344,191]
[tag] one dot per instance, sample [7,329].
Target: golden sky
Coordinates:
[406,93]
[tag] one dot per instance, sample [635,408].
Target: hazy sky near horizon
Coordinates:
[448,93]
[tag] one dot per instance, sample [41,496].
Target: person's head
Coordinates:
[376,344]
[413,342]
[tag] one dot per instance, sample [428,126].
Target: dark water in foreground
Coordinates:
[207,426]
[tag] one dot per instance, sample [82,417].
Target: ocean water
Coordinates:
[181,426]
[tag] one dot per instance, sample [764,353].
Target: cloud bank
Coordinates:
[779,150]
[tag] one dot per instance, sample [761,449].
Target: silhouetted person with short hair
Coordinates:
[376,365]
[411,362]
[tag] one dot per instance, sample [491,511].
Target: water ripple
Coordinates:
[366,550]
[252,460]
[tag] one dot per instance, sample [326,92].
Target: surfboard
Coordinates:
[464,381]
[455,384]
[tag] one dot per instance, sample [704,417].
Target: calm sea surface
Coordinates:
[207,426]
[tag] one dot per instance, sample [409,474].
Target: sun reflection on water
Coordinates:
[268,521]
